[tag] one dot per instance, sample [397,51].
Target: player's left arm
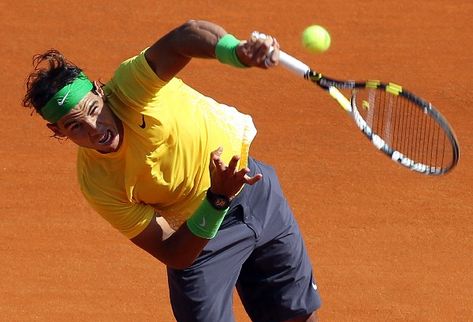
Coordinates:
[197,38]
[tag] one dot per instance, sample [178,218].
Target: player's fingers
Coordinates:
[215,161]
[251,51]
[266,53]
[217,153]
[262,50]
[245,178]
[252,180]
[240,175]
[233,164]
[273,57]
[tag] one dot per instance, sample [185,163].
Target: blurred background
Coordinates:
[387,244]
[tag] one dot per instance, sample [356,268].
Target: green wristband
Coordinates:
[225,51]
[206,220]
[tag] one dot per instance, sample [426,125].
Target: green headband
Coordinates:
[66,98]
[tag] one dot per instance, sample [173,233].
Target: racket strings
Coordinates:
[407,128]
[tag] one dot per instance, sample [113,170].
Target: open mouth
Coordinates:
[106,138]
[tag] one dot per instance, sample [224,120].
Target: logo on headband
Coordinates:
[66,98]
[60,102]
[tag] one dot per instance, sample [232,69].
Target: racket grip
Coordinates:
[292,64]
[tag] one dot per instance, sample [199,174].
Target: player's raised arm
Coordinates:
[203,39]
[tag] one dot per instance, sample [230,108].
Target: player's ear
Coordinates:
[99,90]
[55,129]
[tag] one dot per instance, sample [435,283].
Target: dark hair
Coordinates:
[45,81]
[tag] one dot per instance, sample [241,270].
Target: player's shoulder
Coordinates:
[139,67]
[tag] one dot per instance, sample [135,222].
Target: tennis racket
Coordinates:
[406,128]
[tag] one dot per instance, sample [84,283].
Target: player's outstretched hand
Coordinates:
[256,51]
[225,179]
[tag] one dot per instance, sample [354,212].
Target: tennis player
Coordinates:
[169,168]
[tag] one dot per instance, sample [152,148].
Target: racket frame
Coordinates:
[333,87]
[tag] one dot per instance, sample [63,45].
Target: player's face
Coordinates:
[91,124]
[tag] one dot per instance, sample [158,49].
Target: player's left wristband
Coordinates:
[206,220]
[225,51]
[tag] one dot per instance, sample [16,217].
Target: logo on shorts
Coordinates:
[203,223]
[314,286]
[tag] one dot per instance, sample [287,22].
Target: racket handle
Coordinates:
[286,60]
[292,64]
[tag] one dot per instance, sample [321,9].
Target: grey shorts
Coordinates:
[258,249]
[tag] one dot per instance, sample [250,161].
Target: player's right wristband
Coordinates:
[206,220]
[225,51]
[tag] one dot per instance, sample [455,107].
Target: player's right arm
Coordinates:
[198,39]
[178,249]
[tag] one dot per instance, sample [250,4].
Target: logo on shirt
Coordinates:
[143,123]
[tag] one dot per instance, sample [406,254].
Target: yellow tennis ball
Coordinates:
[316,39]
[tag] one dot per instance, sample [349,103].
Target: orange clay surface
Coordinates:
[387,244]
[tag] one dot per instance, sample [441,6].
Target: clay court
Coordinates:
[387,244]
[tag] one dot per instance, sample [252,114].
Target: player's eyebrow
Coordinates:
[71,120]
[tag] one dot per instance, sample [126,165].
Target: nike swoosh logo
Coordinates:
[203,222]
[314,286]
[143,125]
[60,102]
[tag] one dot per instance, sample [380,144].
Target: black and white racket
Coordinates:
[400,124]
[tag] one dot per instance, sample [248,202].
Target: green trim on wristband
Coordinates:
[206,220]
[225,51]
